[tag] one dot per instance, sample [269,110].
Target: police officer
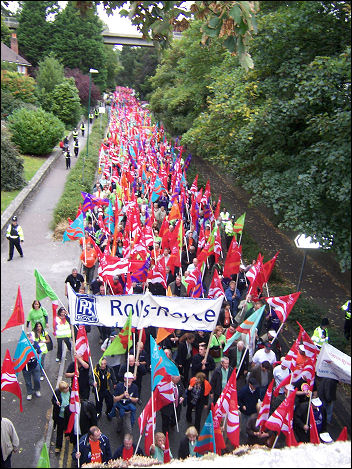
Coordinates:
[91,117]
[96,113]
[15,236]
[229,231]
[68,159]
[75,135]
[225,216]
[321,334]
[83,128]
[76,148]
[347,326]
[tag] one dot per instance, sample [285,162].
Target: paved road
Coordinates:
[54,260]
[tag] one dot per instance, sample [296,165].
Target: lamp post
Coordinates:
[91,70]
[304,242]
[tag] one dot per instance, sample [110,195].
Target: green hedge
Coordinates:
[71,197]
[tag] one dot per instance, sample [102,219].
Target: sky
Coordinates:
[115,22]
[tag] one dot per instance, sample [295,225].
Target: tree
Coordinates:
[50,73]
[34,32]
[82,84]
[283,129]
[20,86]
[11,164]
[5,33]
[113,66]
[234,21]
[36,132]
[78,43]
[65,102]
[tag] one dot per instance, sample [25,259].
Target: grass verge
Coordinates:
[31,164]
[71,197]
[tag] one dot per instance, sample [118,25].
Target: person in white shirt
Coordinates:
[192,266]
[264,354]
[280,373]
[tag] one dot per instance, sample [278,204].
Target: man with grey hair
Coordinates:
[220,377]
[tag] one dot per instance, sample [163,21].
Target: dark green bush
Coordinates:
[65,102]
[36,132]
[11,164]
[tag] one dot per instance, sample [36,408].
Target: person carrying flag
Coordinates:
[32,370]
[94,446]
[125,398]
[158,450]
[105,380]
[61,412]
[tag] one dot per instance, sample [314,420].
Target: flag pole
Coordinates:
[176,418]
[137,446]
[138,350]
[275,441]
[277,333]
[77,434]
[239,366]
[310,402]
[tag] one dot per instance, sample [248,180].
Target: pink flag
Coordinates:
[282,305]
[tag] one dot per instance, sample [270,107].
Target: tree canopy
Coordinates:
[282,129]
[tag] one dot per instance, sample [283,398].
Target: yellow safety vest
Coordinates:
[62,330]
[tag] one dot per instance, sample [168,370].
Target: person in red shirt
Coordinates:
[127,450]
[116,287]
[93,447]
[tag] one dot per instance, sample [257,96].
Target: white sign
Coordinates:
[101,110]
[191,314]
[332,363]
[305,242]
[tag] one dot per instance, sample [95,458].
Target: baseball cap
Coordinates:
[325,437]
[128,375]
[272,333]
[14,218]
[267,345]
[325,322]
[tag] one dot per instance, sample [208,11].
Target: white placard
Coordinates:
[332,363]
[147,310]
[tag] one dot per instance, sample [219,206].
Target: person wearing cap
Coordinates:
[14,234]
[269,337]
[125,398]
[264,354]
[321,334]
[140,372]
[248,397]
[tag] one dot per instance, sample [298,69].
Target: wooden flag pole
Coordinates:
[138,351]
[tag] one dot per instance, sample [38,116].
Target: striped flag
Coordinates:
[75,230]
[282,305]
[23,353]
[313,431]
[265,407]
[247,327]
[74,401]
[82,345]
[233,418]
[309,346]
[256,276]
[206,439]
[167,456]
[216,288]
[9,380]
[281,419]
[239,224]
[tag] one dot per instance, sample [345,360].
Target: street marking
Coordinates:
[69,456]
[62,454]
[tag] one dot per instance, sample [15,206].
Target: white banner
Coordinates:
[191,314]
[332,363]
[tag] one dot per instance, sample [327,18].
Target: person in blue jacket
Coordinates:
[93,447]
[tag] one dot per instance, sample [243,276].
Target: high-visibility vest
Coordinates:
[229,228]
[225,216]
[18,230]
[318,338]
[82,126]
[74,134]
[347,309]
[62,330]
[96,112]
[42,345]
[91,116]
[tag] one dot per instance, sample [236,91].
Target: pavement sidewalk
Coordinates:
[34,207]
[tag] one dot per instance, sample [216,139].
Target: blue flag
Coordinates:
[206,439]
[109,218]
[75,230]
[161,366]
[23,353]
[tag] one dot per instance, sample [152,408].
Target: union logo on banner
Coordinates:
[86,310]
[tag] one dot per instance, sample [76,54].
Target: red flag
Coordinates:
[281,419]
[9,380]
[265,407]
[268,267]
[216,288]
[219,439]
[17,316]
[256,276]
[282,305]
[82,346]
[217,210]
[74,402]
[343,435]
[309,346]
[233,259]
[313,432]
[233,416]
[167,457]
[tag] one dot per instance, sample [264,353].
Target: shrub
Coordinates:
[9,103]
[11,164]
[21,86]
[82,84]
[36,132]
[65,102]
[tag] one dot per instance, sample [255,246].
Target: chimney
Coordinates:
[14,43]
